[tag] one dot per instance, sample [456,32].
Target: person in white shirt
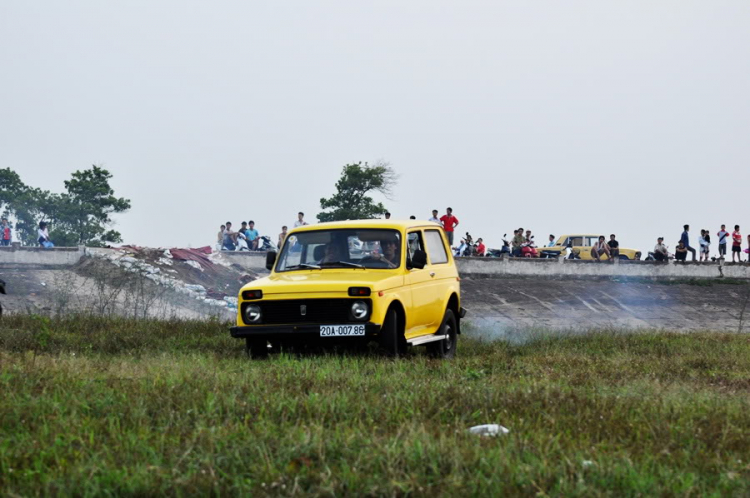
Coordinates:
[705,244]
[300,220]
[660,250]
[44,235]
[600,249]
[435,218]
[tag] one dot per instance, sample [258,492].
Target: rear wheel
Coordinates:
[391,340]
[624,258]
[256,348]
[446,348]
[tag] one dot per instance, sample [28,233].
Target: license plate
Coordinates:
[341,330]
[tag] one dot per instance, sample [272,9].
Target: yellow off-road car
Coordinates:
[353,282]
[580,247]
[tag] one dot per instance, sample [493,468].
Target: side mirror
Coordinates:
[270,260]
[419,260]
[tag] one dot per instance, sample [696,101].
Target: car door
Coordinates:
[442,272]
[420,317]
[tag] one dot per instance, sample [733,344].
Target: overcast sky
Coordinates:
[626,117]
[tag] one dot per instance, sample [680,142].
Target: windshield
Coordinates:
[342,248]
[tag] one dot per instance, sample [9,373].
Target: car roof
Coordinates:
[385,224]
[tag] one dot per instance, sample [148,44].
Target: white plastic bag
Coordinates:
[489,430]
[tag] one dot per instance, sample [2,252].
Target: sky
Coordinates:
[630,118]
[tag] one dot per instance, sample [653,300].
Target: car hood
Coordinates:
[329,280]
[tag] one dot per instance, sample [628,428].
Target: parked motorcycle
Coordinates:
[266,244]
[528,249]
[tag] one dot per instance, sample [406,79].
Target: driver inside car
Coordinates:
[390,253]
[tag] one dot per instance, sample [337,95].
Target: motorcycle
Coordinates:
[528,249]
[266,244]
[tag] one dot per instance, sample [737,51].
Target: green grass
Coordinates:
[107,406]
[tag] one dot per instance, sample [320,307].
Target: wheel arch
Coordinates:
[400,313]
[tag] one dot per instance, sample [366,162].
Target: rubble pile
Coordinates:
[197,273]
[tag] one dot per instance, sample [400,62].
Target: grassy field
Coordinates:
[104,406]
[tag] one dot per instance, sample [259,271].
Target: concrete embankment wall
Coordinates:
[579,268]
[489,267]
[505,295]
[37,256]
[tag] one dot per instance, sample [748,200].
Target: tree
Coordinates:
[351,200]
[81,215]
[83,212]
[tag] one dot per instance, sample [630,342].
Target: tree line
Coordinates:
[81,215]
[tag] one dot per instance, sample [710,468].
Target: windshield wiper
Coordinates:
[302,265]
[345,263]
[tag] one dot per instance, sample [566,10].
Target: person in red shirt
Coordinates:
[736,244]
[481,249]
[450,223]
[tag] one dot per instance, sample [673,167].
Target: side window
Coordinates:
[435,247]
[576,241]
[590,241]
[414,243]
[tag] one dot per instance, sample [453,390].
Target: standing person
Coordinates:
[481,248]
[450,223]
[723,234]
[282,237]
[705,244]
[736,244]
[660,250]
[435,218]
[614,247]
[220,237]
[685,239]
[44,240]
[600,249]
[252,235]
[5,233]
[300,220]
[551,241]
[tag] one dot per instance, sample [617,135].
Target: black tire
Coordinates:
[256,349]
[446,349]
[624,257]
[391,340]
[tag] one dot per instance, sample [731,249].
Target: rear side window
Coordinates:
[435,247]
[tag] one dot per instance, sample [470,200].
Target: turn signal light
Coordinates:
[252,294]
[359,291]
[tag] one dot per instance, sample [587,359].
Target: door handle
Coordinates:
[432,273]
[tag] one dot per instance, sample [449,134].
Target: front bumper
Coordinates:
[271,332]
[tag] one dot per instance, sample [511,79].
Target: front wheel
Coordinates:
[446,348]
[624,258]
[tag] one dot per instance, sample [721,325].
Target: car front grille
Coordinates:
[316,311]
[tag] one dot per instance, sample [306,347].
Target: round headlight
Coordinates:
[359,310]
[252,313]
